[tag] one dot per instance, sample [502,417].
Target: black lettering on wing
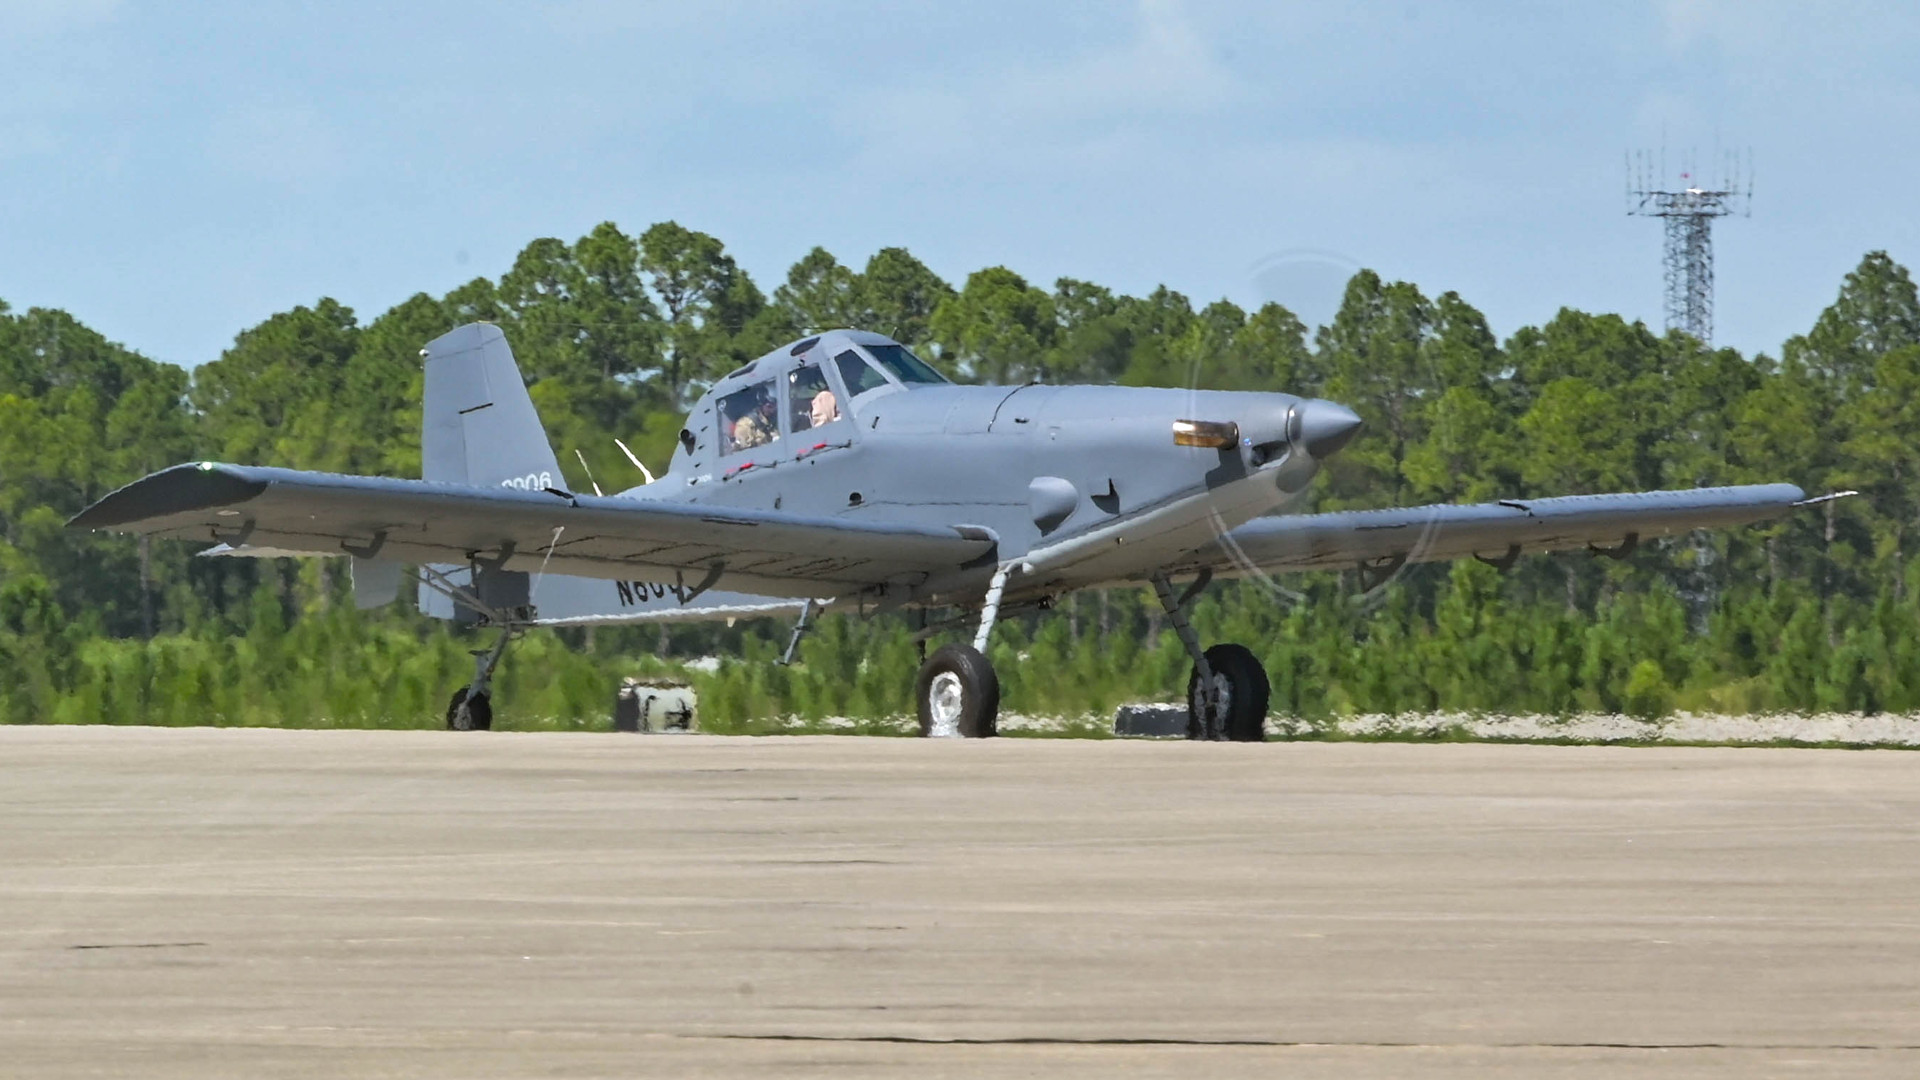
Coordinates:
[640,592]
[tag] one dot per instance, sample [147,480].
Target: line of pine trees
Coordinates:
[617,333]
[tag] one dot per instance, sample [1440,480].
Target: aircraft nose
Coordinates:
[1323,426]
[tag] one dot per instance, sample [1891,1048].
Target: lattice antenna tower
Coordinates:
[1689,208]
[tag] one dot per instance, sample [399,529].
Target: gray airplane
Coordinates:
[843,470]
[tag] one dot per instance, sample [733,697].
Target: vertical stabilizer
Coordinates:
[479,426]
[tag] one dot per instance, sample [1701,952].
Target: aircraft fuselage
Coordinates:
[1080,484]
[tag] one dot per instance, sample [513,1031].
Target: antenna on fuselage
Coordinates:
[590,479]
[631,456]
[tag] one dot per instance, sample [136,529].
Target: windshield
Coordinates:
[904,366]
[859,375]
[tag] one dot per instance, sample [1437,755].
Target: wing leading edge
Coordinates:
[1496,532]
[418,521]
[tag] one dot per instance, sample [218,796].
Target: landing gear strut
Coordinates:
[472,706]
[1227,693]
[957,693]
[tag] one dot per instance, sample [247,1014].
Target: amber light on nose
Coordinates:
[1211,433]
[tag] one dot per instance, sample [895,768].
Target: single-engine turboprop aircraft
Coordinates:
[844,470]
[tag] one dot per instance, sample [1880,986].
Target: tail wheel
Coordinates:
[469,715]
[1234,706]
[958,694]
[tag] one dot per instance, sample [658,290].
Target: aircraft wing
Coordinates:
[416,521]
[1496,532]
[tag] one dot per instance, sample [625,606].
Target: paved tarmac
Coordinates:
[213,903]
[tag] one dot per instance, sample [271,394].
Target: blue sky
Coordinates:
[175,173]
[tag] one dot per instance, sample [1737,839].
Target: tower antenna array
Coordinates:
[1689,209]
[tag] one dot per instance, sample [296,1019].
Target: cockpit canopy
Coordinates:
[812,383]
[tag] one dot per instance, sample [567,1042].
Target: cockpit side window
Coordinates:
[858,375]
[811,403]
[905,366]
[749,418]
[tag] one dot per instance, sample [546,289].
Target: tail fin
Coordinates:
[479,426]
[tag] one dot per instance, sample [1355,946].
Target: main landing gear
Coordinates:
[1227,693]
[472,706]
[957,693]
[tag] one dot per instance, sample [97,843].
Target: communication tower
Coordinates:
[1689,209]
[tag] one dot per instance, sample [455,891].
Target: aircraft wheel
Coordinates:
[958,694]
[474,715]
[1237,709]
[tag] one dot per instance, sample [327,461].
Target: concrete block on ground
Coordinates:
[1155,720]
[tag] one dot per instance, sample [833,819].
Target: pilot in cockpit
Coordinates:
[825,409]
[812,404]
[760,425]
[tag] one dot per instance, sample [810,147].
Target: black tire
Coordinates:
[479,712]
[976,713]
[1247,694]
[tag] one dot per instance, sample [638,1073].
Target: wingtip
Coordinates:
[195,485]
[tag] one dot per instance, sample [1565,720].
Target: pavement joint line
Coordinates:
[1046,1040]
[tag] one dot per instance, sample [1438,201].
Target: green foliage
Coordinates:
[997,329]
[1648,696]
[616,332]
[705,299]
[269,399]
